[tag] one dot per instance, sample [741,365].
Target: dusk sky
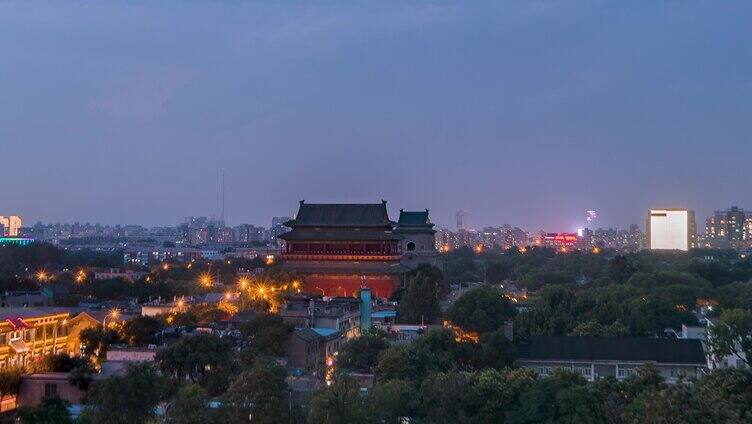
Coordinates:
[527,112]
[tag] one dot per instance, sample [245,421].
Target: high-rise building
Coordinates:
[247,233]
[278,228]
[671,229]
[11,225]
[729,228]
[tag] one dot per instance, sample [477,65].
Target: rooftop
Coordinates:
[341,215]
[627,349]
[29,313]
[414,218]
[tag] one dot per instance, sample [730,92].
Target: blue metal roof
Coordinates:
[384,314]
[324,331]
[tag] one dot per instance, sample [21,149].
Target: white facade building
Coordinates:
[671,229]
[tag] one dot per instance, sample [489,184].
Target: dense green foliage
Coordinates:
[518,396]
[731,334]
[263,336]
[481,310]
[190,405]
[129,399]
[460,374]
[204,359]
[51,410]
[261,392]
[639,294]
[361,353]
[419,300]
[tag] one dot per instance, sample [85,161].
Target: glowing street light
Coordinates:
[205,279]
[269,259]
[243,282]
[165,266]
[41,275]
[112,314]
[80,276]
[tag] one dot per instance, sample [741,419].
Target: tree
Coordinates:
[139,331]
[596,329]
[494,350]
[261,392]
[481,310]
[264,335]
[435,351]
[732,335]
[562,397]
[419,302]
[361,353]
[51,410]
[202,358]
[129,399]
[190,405]
[392,399]
[10,381]
[96,341]
[498,392]
[61,362]
[339,403]
[449,397]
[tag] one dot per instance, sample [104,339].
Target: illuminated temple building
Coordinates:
[336,248]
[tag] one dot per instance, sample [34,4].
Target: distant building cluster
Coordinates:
[665,229]
[506,237]
[729,229]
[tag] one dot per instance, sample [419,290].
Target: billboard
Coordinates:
[669,229]
[561,238]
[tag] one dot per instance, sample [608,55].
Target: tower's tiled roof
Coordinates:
[341,215]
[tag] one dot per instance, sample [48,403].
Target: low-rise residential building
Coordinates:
[308,348]
[339,313]
[35,387]
[619,357]
[25,298]
[120,357]
[153,255]
[127,274]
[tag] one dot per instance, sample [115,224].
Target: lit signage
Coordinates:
[561,238]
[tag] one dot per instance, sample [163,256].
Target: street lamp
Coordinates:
[112,314]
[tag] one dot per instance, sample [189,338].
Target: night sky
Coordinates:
[527,112]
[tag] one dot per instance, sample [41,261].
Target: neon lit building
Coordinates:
[20,241]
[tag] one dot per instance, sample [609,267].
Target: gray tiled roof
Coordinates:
[341,215]
[627,349]
[414,218]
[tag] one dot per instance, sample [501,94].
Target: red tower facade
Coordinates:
[336,248]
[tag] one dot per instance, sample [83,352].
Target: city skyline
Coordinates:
[585,222]
[520,113]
